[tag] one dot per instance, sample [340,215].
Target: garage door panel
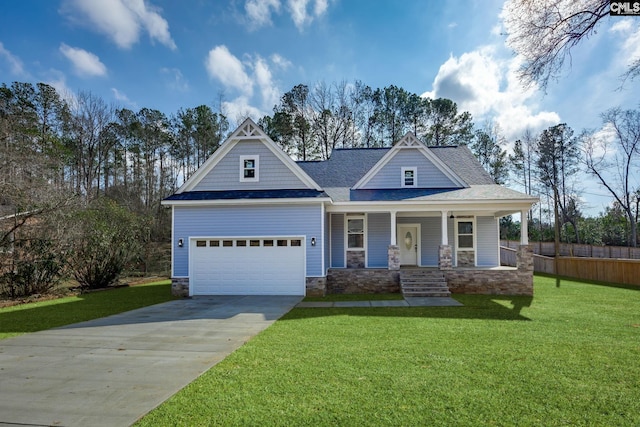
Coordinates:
[248,270]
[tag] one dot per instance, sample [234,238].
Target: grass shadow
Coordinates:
[480,307]
[560,279]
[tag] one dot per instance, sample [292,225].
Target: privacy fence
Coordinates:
[604,269]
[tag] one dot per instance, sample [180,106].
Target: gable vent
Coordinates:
[250,129]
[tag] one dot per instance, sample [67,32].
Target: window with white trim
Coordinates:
[249,168]
[355,232]
[464,234]
[409,177]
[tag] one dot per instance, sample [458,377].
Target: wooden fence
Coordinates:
[626,271]
[573,250]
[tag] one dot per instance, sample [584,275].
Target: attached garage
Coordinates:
[273,265]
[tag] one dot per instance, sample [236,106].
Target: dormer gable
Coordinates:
[248,160]
[409,164]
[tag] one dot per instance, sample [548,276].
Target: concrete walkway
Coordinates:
[112,371]
[407,302]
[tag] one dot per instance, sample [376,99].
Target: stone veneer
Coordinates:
[180,286]
[363,281]
[393,257]
[445,257]
[355,259]
[466,259]
[316,286]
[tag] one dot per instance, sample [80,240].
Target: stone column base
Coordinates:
[445,257]
[393,257]
[180,286]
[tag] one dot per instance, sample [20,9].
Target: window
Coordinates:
[241,243]
[201,243]
[227,243]
[254,243]
[267,242]
[409,177]
[249,168]
[214,243]
[296,242]
[465,234]
[283,242]
[355,233]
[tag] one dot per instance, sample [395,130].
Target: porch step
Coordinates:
[423,283]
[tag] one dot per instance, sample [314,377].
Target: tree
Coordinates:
[557,162]
[612,156]
[445,126]
[487,147]
[544,33]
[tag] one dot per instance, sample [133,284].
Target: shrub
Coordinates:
[35,269]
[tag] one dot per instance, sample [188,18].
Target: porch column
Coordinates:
[394,238]
[524,228]
[445,232]
[393,252]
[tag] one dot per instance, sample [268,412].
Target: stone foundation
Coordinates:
[445,259]
[489,282]
[363,281]
[466,259]
[316,286]
[355,259]
[180,286]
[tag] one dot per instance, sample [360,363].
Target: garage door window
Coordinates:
[296,242]
[283,242]
[241,243]
[201,243]
[214,243]
[227,243]
[254,243]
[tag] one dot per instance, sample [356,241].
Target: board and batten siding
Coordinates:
[337,241]
[430,235]
[272,173]
[249,221]
[378,239]
[390,176]
[487,242]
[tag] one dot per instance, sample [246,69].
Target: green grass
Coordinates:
[569,356]
[355,297]
[37,316]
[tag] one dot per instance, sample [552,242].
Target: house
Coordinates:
[253,221]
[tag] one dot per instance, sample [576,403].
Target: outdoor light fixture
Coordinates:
[313,241]
[180,243]
[451,217]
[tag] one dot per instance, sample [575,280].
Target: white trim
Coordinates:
[403,178]
[173,243]
[409,141]
[256,168]
[323,218]
[474,235]
[248,130]
[418,240]
[297,201]
[364,237]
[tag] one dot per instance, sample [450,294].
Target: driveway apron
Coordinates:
[112,371]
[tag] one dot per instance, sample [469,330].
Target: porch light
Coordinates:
[451,217]
[313,241]
[180,243]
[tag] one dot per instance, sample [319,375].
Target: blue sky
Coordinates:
[246,53]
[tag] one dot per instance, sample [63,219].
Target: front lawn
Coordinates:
[37,316]
[570,356]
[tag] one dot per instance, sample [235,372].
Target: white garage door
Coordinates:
[247,266]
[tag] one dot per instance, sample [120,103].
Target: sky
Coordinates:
[242,55]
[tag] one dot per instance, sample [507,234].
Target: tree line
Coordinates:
[66,162]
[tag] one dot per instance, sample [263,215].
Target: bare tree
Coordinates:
[612,156]
[544,32]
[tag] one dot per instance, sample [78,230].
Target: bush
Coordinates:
[35,269]
[106,238]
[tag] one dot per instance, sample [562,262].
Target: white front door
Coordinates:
[408,243]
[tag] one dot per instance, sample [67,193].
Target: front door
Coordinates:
[408,243]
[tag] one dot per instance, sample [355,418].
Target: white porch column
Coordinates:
[445,233]
[524,228]
[394,238]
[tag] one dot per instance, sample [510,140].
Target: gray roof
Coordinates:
[345,167]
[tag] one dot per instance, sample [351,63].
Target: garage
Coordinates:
[247,266]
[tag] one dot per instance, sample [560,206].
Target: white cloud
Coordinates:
[240,108]
[280,61]
[488,88]
[629,32]
[86,64]
[123,98]
[15,64]
[176,79]
[259,11]
[229,70]
[58,80]
[268,90]
[121,20]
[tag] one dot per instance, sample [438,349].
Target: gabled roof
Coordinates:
[248,130]
[410,141]
[246,194]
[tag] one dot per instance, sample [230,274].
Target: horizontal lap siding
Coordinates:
[430,235]
[487,241]
[272,173]
[240,221]
[337,240]
[390,176]
[378,239]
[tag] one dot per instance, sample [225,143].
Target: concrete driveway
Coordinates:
[112,371]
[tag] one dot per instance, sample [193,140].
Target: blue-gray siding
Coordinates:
[272,172]
[487,241]
[327,240]
[337,240]
[378,239]
[390,176]
[292,220]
